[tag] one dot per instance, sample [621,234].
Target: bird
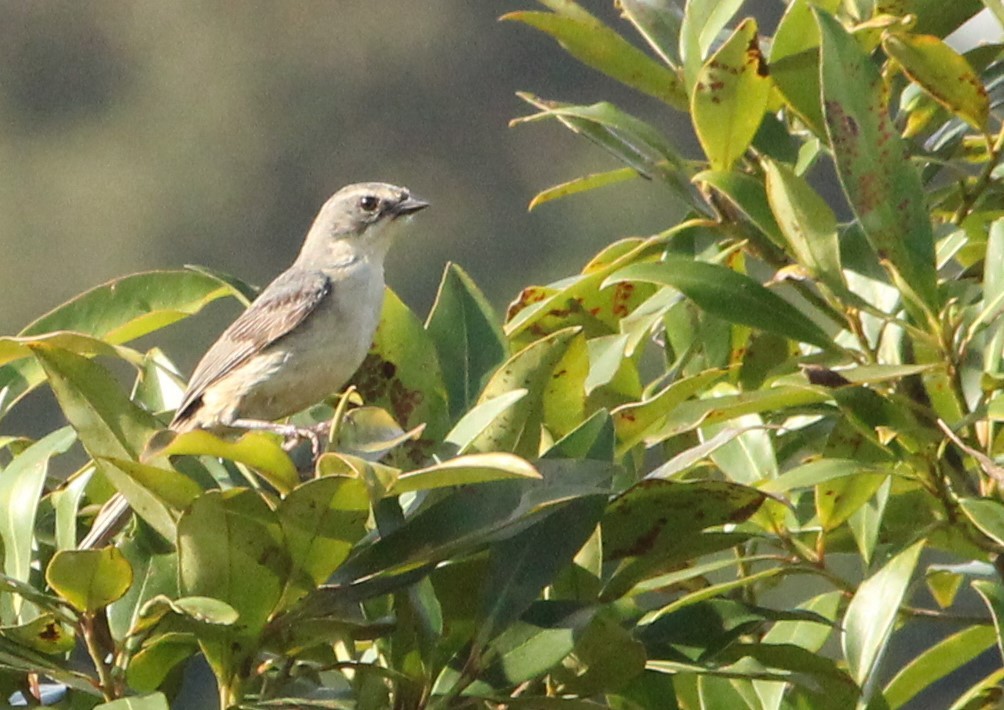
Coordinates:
[305,334]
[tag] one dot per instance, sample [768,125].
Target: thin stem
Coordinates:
[98,654]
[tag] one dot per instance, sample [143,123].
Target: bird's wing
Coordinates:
[280,308]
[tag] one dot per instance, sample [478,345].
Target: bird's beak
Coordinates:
[408,206]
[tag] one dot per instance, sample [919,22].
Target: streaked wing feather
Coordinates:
[280,308]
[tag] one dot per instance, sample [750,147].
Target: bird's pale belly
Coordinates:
[305,367]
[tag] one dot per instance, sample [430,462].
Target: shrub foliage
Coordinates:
[727,465]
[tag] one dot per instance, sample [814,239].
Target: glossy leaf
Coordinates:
[119,311]
[107,422]
[463,470]
[941,72]
[872,612]
[582,184]
[730,96]
[597,46]
[89,579]
[517,428]
[808,224]
[936,662]
[258,450]
[467,336]
[703,20]
[21,484]
[881,184]
[522,565]
[987,514]
[746,193]
[654,511]
[230,547]
[321,521]
[659,22]
[730,295]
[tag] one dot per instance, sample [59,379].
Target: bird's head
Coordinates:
[359,221]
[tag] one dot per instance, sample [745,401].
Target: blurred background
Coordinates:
[140,136]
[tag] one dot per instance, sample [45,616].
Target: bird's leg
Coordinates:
[290,432]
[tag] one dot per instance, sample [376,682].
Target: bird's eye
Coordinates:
[369,203]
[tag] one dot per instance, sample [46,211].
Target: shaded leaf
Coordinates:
[467,336]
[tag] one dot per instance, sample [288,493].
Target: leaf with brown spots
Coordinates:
[654,511]
[882,186]
[730,97]
[943,73]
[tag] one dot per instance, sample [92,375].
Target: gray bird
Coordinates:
[305,334]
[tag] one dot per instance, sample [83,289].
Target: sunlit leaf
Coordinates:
[89,579]
[729,97]
[597,46]
[21,484]
[941,72]
[881,184]
[872,612]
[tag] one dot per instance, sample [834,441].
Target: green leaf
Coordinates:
[155,701]
[119,311]
[808,224]
[872,612]
[941,72]
[839,498]
[471,517]
[527,649]
[748,194]
[467,336]
[659,22]
[321,520]
[517,428]
[627,138]
[107,422]
[463,470]
[987,514]
[46,633]
[597,46]
[153,575]
[89,579]
[402,373]
[703,20]
[993,596]
[231,548]
[583,184]
[655,512]
[21,485]
[936,662]
[481,418]
[730,96]
[881,184]
[258,450]
[731,296]
[521,566]
[634,422]
[145,487]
